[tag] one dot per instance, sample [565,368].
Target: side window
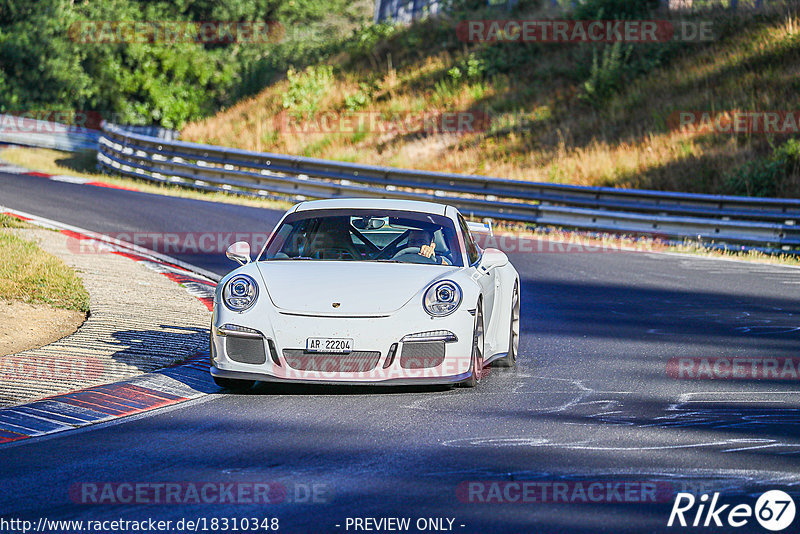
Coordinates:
[473,253]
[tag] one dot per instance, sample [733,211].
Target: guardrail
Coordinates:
[45,134]
[28,131]
[767,223]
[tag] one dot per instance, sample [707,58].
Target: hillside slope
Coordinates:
[590,114]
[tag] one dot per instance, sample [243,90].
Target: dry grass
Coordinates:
[741,255]
[7,221]
[551,136]
[30,275]
[81,165]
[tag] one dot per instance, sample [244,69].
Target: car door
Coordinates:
[488,282]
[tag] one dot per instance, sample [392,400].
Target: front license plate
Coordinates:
[329,344]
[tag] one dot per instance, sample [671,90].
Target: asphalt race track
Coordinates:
[590,401]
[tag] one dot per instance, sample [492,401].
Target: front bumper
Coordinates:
[404,381]
[283,339]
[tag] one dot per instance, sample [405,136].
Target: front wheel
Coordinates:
[476,359]
[233,384]
[510,359]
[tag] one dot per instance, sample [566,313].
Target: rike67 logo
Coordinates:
[774,510]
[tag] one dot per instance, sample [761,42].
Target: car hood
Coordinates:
[360,288]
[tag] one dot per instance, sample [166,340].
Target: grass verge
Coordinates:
[30,275]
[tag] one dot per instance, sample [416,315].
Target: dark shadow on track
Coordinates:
[150,349]
[276,388]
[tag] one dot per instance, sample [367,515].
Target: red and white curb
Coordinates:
[97,404]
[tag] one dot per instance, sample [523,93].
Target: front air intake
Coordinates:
[358,361]
[245,350]
[422,354]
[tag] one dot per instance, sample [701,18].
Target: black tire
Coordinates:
[510,359]
[233,384]
[476,358]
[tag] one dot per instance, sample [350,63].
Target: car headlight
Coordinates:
[442,298]
[240,293]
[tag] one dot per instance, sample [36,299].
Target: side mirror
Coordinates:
[239,252]
[492,259]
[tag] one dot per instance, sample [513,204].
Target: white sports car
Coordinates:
[366,291]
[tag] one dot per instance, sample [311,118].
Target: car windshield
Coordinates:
[365,235]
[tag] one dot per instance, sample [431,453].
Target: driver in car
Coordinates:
[427,246]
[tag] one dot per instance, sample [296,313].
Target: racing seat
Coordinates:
[333,240]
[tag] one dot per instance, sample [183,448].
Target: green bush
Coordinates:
[607,73]
[615,65]
[365,40]
[360,99]
[306,88]
[43,67]
[767,177]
